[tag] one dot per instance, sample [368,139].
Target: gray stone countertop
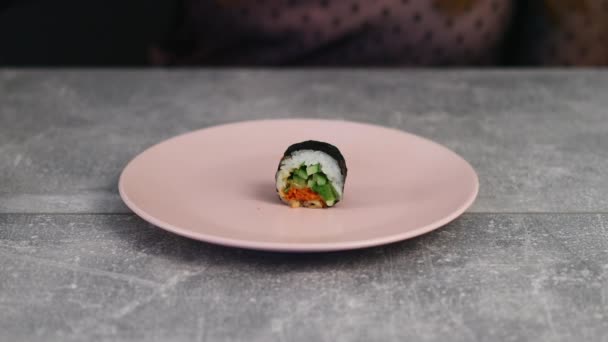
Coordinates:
[528,262]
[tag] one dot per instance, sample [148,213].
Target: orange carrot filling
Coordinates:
[304,194]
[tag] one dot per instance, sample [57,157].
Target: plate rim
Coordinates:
[300,246]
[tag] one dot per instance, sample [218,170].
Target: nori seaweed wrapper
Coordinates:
[314,145]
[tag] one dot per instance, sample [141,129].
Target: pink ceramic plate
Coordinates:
[217,185]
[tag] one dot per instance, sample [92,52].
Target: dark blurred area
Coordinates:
[83,33]
[304,32]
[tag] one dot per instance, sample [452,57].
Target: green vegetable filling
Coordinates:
[313,177]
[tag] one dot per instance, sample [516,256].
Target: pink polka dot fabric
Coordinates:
[359,32]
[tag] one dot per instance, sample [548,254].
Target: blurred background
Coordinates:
[303,33]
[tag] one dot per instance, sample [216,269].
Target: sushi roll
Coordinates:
[311,174]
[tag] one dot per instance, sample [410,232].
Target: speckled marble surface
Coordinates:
[528,262]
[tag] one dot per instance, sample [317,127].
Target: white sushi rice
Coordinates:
[329,166]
